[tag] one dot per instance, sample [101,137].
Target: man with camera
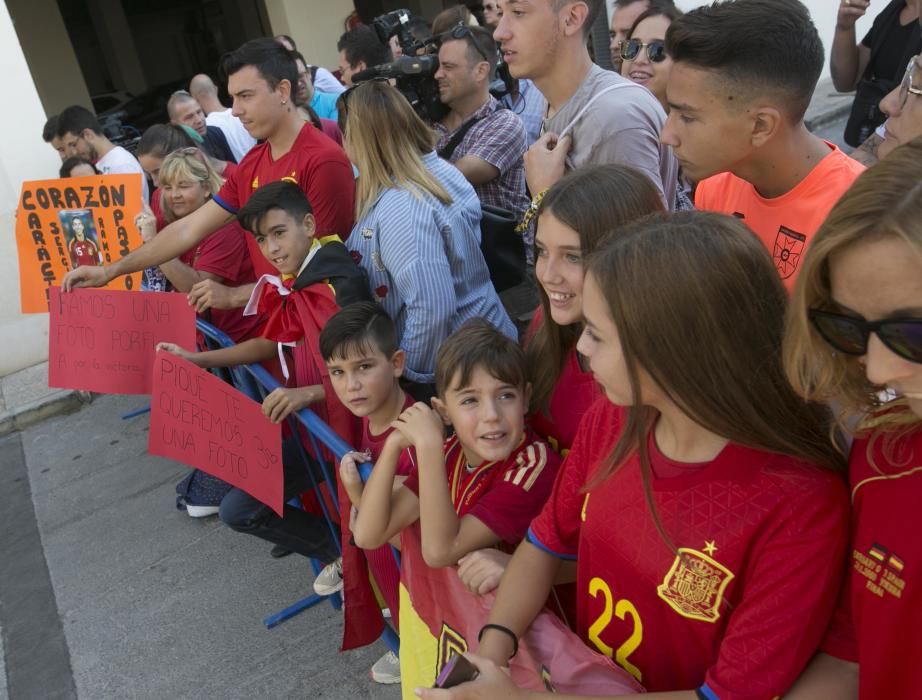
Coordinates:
[482,139]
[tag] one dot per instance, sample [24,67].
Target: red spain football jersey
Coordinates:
[739,607]
[879,623]
[575,392]
[317,165]
[504,496]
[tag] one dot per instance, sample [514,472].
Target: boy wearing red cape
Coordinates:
[316,278]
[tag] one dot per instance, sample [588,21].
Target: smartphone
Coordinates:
[458,670]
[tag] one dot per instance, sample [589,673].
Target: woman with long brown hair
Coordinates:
[855,340]
[702,499]
[573,218]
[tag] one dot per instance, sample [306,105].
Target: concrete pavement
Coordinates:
[123,596]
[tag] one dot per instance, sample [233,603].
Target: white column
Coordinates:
[315,26]
[23,338]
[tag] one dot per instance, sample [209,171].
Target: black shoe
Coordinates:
[278,552]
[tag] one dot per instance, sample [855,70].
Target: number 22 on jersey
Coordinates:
[622,609]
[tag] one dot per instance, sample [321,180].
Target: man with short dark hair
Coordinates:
[594,116]
[50,136]
[184,110]
[81,135]
[743,74]
[203,89]
[261,79]
[484,140]
[360,49]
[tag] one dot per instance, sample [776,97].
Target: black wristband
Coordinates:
[504,630]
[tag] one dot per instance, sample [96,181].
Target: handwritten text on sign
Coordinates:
[104,341]
[199,420]
[62,224]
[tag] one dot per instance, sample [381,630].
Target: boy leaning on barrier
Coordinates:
[483,485]
[360,348]
[316,277]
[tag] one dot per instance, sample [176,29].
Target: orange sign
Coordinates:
[61,224]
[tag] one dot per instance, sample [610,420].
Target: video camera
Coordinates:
[413,72]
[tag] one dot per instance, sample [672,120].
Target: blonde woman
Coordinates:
[187,180]
[418,229]
[855,339]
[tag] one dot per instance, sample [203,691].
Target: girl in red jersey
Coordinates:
[701,494]
[855,330]
[573,218]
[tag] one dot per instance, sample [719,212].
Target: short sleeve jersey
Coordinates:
[84,252]
[737,608]
[879,620]
[576,390]
[504,496]
[314,163]
[375,443]
[224,254]
[785,224]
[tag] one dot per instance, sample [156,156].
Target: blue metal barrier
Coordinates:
[256,382]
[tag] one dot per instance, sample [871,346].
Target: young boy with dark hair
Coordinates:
[742,77]
[480,487]
[359,346]
[316,277]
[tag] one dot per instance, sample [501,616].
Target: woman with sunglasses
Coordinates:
[855,340]
[417,230]
[643,53]
[903,107]
[701,507]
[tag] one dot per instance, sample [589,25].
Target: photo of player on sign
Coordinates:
[82,243]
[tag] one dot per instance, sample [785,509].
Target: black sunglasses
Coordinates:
[849,335]
[656,50]
[346,95]
[462,31]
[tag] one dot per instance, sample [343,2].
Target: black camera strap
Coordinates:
[448,149]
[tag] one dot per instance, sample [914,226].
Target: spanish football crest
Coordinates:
[787,251]
[695,585]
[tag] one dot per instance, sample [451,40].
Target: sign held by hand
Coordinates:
[205,423]
[104,341]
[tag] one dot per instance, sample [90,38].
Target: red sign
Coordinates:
[103,340]
[198,420]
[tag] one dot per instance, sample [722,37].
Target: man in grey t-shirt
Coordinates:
[593,116]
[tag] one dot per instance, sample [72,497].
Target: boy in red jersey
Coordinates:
[359,346]
[482,485]
[317,277]
[261,78]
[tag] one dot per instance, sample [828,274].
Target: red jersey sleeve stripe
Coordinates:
[533,539]
[706,693]
[532,459]
[224,205]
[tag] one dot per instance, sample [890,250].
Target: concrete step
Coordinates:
[26,399]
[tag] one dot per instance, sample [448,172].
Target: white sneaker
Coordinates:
[201,511]
[386,669]
[330,580]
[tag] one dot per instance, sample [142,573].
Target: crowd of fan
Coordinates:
[707,281]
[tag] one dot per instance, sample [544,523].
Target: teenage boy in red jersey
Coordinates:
[316,278]
[742,77]
[261,78]
[359,346]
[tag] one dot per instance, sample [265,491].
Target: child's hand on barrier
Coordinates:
[176,350]
[482,569]
[348,467]
[281,402]
[421,426]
